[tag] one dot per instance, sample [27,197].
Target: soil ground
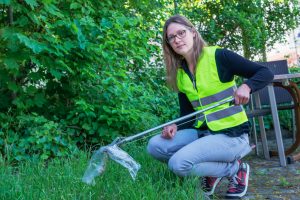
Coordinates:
[268,180]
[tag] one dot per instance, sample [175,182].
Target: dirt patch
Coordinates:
[267,179]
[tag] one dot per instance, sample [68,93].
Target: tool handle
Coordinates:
[139,135]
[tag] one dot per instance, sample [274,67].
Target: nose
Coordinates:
[176,39]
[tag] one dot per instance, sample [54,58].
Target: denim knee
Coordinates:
[179,166]
[155,149]
[151,147]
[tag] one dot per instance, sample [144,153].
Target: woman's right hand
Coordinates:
[169,132]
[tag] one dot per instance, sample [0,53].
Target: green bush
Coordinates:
[31,136]
[77,73]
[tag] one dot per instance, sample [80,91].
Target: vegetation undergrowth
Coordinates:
[61,179]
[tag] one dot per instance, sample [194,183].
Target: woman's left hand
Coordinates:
[242,95]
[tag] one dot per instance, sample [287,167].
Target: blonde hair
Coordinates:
[173,60]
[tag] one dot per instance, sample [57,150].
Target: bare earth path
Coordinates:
[268,180]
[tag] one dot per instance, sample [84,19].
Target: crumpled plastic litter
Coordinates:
[98,162]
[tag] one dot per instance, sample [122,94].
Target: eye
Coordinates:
[171,37]
[181,33]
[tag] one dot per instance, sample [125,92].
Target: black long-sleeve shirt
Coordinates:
[230,64]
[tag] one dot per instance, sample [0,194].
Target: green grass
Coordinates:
[61,179]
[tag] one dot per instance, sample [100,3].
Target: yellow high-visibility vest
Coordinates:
[207,89]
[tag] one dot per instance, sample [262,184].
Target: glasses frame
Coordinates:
[176,35]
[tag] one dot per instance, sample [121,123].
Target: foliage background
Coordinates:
[79,73]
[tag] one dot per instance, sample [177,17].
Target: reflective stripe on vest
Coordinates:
[223,113]
[214,98]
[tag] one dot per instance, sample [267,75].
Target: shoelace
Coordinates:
[204,181]
[233,181]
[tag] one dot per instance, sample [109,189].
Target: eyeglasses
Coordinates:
[180,34]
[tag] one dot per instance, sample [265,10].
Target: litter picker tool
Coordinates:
[99,159]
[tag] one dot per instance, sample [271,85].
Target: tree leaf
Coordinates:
[6,2]
[31,3]
[7,33]
[105,23]
[51,8]
[11,63]
[39,99]
[56,74]
[75,5]
[34,45]
[13,86]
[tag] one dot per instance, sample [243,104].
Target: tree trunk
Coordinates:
[246,46]
[175,7]
[264,52]
[10,15]
[10,22]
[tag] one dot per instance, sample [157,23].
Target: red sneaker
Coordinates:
[209,184]
[238,184]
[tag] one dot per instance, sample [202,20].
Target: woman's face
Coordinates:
[180,38]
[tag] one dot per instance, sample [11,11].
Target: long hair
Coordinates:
[173,60]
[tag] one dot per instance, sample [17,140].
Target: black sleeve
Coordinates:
[185,109]
[230,64]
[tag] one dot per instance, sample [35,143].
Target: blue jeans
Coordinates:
[210,155]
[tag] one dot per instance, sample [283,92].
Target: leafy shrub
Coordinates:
[25,137]
[77,73]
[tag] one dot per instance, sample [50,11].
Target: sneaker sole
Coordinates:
[213,189]
[246,186]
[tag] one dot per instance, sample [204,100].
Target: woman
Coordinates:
[213,146]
